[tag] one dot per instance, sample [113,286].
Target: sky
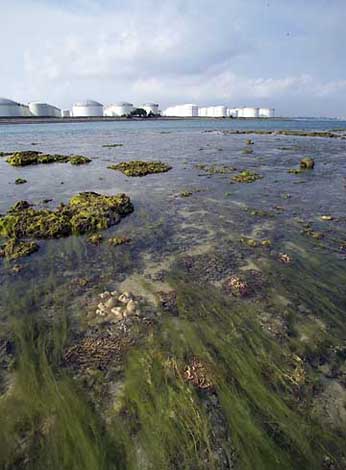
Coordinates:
[289,54]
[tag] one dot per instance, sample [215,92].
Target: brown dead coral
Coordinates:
[97,351]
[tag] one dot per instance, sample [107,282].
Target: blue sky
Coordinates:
[283,53]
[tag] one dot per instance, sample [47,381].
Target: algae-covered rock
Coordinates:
[247,151]
[186,193]
[119,240]
[85,212]
[20,181]
[79,160]
[31,157]
[14,249]
[249,142]
[246,176]
[95,238]
[140,168]
[307,163]
[295,171]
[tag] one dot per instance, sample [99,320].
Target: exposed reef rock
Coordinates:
[32,157]
[140,168]
[85,212]
[20,181]
[216,169]
[117,307]
[246,176]
[14,249]
[307,163]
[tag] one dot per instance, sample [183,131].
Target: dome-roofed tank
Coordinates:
[10,108]
[119,109]
[87,108]
[40,109]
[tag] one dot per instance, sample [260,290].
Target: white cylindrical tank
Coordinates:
[182,110]
[233,112]
[87,108]
[65,113]
[266,112]
[9,108]
[119,109]
[151,108]
[44,110]
[219,111]
[249,112]
[203,111]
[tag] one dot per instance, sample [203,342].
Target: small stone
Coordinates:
[131,307]
[327,218]
[111,302]
[124,298]
[117,312]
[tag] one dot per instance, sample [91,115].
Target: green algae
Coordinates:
[186,194]
[20,181]
[140,168]
[14,249]
[85,212]
[32,157]
[95,238]
[79,160]
[118,240]
[246,176]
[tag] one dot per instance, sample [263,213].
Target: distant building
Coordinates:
[87,108]
[44,110]
[65,113]
[9,108]
[152,108]
[266,112]
[119,109]
[183,110]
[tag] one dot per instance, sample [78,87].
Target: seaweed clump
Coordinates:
[14,249]
[85,212]
[215,169]
[20,181]
[79,160]
[246,176]
[140,168]
[32,157]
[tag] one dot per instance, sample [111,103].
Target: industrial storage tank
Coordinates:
[182,110]
[219,111]
[203,111]
[87,108]
[233,112]
[9,108]
[248,112]
[151,108]
[65,113]
[44,110]
[119,109]
[266,112]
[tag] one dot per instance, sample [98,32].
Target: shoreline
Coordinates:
[51,120]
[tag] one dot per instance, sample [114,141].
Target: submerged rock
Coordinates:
[20,181]
[95,238]
[246,176]
[85,212]
[14,249]
[140,168]
[119,240]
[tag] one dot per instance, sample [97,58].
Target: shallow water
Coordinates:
[200,234]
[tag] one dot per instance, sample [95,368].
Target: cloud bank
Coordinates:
[241,53]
